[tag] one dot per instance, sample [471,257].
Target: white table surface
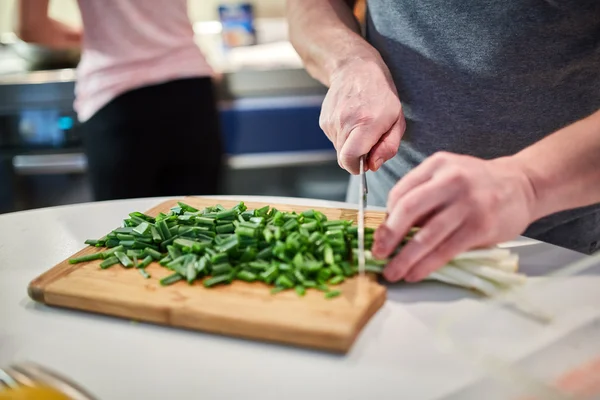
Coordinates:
[395,357]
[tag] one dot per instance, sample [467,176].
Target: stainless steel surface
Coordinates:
[271,102]
[277,160]
[362,201]
[75,163]
[38,57]
[268,82]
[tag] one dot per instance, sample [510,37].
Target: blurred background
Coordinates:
[269,108]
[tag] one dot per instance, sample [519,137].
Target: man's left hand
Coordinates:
[460,203]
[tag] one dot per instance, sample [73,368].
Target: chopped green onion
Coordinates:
[145,262]
[124,260]
[164,261]
[109,253]
[144,273]
[332,294]
[215,280]
[142,228]
[221,269]
[87,257]
[246,276]
[171,279]
[301,290]
[152,253]
[109,262]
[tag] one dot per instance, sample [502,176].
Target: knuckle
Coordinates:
[351,119]
[456,177]
[364,118]
[428,234]
[493,200]
[392,199]
[441,157]
[345,158]
[443,254]
[394,192]
[323,122]
[408,206]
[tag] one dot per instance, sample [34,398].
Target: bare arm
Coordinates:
[35,25]
[32,13]
[361,113]
[326,35]
[564,168]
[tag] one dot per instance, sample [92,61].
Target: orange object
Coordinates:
[32,393]
[583,382]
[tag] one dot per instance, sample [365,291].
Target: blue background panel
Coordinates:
[266,130]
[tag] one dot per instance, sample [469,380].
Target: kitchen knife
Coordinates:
[362,201]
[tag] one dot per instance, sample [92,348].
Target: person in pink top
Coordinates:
[144,95]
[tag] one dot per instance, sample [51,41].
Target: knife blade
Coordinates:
[362,200]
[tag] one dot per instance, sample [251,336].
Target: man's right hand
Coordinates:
[362,114]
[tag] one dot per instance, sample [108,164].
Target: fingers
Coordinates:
[414,178]
[434,232]
[462,240]
[359,142]
[410,209]
[387,146]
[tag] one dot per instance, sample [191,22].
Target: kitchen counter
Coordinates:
[395,356]
[271,68]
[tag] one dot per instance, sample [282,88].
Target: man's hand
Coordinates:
[460,203]
[52,34]
[362,114]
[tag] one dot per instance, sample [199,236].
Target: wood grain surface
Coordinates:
[242,309]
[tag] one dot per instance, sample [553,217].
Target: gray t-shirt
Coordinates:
[488,78]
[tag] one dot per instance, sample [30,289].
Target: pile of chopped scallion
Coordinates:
[284,249]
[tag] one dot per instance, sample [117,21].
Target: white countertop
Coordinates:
[394,358]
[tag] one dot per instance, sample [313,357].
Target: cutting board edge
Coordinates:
[335,343]
[37,287]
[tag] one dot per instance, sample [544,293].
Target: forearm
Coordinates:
[564,168]
[326,36]
[32,14]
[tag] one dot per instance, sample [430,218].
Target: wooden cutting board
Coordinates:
[241,309]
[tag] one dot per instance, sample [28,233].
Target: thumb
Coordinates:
[387,146]
[360,142]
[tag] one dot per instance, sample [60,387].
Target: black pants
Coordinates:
[160,140]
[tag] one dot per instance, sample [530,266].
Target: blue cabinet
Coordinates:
[273,125]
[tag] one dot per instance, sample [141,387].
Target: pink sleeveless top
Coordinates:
[129,44]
